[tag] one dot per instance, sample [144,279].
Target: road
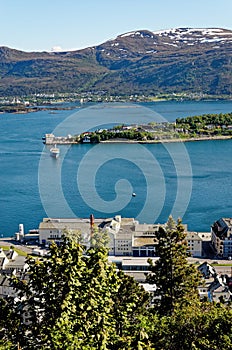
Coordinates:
[8,242]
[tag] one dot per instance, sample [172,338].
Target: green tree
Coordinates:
[180,321]
[7,318]
[176,280]
[196,326]
[130,305]
[69,299]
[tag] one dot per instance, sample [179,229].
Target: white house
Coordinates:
[194,244]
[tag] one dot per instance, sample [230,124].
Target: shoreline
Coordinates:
[64,141]
[191,139]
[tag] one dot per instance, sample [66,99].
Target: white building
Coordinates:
[10,263]
[127,237]
[49,139]
[52,229]
[86,139]
[119,231]
[194,244]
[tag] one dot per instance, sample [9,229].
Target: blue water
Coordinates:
[191,180]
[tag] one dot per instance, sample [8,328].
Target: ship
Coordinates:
[55,152]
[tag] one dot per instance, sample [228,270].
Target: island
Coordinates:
[196,128]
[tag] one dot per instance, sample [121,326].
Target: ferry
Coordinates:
[55,152]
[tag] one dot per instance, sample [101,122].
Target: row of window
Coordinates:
[54,236]
[120,248]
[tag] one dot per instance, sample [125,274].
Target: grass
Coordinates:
[19,251]
[226,264]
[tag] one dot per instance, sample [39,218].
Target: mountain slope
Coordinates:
[142,62]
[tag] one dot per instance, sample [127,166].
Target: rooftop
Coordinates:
[194,236]
[144,241]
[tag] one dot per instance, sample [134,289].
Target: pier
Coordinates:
[51,139]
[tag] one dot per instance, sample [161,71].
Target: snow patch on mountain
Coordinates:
[196,34]
[172,40]
[141,34]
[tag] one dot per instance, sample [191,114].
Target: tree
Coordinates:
[197,326]
[69,299]
[130,305]
[179,320]
[7,317]
[176,280]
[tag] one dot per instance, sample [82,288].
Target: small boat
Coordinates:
[55,152]
[133,194]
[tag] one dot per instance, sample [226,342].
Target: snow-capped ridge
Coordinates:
[180,36]
[144,42]
[140,33]
[197,34]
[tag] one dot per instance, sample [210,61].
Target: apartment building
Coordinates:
[222,237]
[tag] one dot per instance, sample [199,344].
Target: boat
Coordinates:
[55,152]
[133,194]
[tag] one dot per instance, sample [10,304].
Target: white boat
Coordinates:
[55,152]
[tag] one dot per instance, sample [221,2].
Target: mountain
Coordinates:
[138,62]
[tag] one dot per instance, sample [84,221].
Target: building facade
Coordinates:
[194,244]
[222,237]
[127,237]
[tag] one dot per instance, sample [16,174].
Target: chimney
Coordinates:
[91,221]
[91,225]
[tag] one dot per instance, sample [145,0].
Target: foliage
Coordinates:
[69,300]
[171,70]
[176,280]
[179,320]
[198,326]
[129,306]
[8,318]
[76,300]
[17,250]
[207,124]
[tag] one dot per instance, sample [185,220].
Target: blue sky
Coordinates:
[40,25]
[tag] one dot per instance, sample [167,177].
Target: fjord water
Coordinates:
[21,150]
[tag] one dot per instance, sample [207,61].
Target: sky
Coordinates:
[43,25]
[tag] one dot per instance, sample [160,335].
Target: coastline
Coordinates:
[66,141]
[191,139]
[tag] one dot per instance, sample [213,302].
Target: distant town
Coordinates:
[41,101]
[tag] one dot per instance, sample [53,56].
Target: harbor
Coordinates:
[23,148]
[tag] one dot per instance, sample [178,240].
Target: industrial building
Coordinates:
[127,237]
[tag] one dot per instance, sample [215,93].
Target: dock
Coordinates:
[51,139]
